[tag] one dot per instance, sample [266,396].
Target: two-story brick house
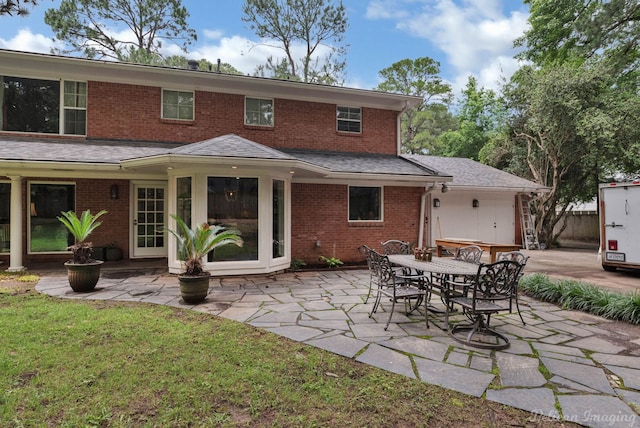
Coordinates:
[302,170]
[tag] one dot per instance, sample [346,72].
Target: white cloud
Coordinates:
[212,34]
[27,41]
[475,35]
[385,9]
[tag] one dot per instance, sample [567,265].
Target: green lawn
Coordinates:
[68,363]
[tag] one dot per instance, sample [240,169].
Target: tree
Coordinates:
[481,117]
[571,124]
[310,23]
[584,30]
[17,7]
[418,77]
[90,26]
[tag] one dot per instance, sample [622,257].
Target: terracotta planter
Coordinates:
[194,289]
[83,277]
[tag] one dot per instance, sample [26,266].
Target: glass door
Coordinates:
[149,219]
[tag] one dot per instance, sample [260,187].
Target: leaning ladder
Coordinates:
[529,236]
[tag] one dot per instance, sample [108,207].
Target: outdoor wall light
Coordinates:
[114,192]
[436,203]
[475,203]
[445,188]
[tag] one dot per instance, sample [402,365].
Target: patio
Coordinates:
[592,369]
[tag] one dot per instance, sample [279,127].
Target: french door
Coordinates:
[149,220]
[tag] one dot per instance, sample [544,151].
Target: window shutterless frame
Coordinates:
[349,119]
[258,111]
[366,203]
[46,234]
[178,105]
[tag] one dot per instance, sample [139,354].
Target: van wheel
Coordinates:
[609,268]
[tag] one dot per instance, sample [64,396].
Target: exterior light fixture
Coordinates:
[445,188]
[114,192]
[475,203]
[436,203]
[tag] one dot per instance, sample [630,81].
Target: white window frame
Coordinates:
[350,120]
[28,212]
[380,220]
[64,107]
[271,101]
[178,91]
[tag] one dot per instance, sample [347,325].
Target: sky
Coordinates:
[467,37]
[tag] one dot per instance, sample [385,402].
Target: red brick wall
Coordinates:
[130,112]
[328,223]
[93,195]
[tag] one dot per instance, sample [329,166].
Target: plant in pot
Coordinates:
[82,270]
[193,245]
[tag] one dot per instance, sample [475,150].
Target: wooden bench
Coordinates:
[491,247]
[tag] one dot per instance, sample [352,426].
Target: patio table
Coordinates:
[445,266]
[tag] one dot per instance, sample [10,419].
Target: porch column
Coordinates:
[15,262]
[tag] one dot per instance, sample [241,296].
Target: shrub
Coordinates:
[583,296]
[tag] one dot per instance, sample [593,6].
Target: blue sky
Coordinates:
[465,36]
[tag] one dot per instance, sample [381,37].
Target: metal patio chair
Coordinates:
[520,257]
[489,293]
[396,287]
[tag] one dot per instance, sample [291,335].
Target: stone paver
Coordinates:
[591,379]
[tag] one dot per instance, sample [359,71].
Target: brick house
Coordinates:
[302,170]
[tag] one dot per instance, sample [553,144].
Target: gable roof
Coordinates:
[468,173]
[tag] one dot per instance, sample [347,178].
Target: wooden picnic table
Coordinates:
[492,248]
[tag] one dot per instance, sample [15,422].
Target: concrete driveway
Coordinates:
[582,265]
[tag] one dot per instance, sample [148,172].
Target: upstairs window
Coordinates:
[258,111]
[349,119]
[35,105]
[365,203]
[75,108]
[177,105]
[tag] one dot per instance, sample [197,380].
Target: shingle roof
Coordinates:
[360,162]
[469,173]
[59,150]
[230,145]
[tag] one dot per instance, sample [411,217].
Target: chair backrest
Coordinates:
[366,252]
[381,267]
[394,246]
[469,254]
[516,256]
[496,281]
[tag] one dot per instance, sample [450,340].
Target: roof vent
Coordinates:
[193,64]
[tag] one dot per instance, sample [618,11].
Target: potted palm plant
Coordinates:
[82,270]
[193,245]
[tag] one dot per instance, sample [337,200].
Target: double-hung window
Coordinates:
[365,203]
[75,108]
[349,119]
[258,111]
[177,104]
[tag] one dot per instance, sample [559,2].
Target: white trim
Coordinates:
[273,111]
[52,66]
[133,233]
[27,212]
[193,105]
[349,120]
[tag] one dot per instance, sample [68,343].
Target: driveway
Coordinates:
[583,265]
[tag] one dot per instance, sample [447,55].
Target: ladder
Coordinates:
[527,223]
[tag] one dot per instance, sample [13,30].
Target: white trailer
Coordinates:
[620,225]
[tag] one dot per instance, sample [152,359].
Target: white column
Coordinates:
[16,225]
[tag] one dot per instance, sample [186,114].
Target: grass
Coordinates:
[582,296]
[79,363]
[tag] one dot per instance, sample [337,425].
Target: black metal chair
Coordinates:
[396,287]
[457,285]
[520,257]
[366,252]
[489,293]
